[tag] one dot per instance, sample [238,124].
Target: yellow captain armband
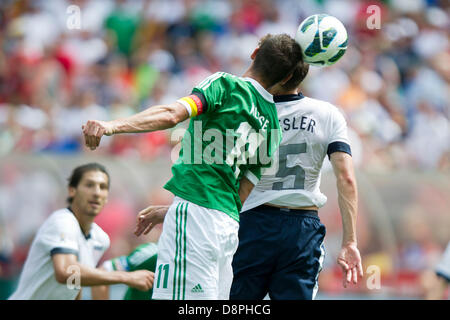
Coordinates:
[193,105]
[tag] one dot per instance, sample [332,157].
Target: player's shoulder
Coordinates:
[320,104]
[216,81]
[326,108]
[99,234]
[227,78]
[61,220]
[220,75]
[61,217]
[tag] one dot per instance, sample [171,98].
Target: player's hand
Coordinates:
[141,279]
[93,131]
[148,218]
[350,261]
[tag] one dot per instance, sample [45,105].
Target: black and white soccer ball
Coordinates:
[323,39]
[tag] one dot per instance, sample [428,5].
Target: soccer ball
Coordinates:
[323,39]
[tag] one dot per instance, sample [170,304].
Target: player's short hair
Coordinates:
[298,76]
[78,172]
[277,57]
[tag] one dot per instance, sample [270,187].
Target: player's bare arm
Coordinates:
[349,257]
[245,187]
[153,215]
[141,279]
[148,218]
[152,119]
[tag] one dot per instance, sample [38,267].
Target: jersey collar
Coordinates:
[266,94]
[288,97]
[87,237]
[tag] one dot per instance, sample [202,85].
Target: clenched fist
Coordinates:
[93,132]
[140,279]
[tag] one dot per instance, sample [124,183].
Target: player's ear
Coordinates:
[253,55]
[286,79]
[72,191]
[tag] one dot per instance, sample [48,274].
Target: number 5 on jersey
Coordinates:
[284,171]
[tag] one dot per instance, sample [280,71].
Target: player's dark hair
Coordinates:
[277,57]
[78,172]
[298,76]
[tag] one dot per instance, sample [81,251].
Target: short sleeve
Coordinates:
[213,90]
[60,236]
[253,174]
[144,257]
[116,264]
[338,137]
[104,239]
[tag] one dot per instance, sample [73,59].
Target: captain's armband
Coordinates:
[195,104]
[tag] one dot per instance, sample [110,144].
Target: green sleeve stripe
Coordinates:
[251,177]
[208,81]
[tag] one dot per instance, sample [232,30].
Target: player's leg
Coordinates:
[188,259]
[255,256]
[229,243]
[164,273]
[300,261]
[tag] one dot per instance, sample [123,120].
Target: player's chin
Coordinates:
[93,212]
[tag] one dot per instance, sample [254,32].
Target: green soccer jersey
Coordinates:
[233,133]
[142,258]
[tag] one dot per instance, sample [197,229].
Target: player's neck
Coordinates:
[84,220]
[251,74]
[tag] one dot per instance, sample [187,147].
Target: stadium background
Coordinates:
[392,85]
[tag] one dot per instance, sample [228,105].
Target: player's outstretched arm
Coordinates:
[152,119]
[67,267]
[349,257]
[148,218]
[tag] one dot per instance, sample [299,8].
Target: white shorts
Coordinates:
[195,251]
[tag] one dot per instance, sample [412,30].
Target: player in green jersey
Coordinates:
[233,120]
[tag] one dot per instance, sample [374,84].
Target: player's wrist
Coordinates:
[349,243]
[111,127]
[122,277]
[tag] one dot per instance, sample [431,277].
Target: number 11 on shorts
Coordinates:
[161,268]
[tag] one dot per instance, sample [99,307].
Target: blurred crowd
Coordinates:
[63,62]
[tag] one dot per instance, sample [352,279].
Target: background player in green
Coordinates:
[142,258]
[213,172]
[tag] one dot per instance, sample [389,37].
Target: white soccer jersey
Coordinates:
[60,233]
[443,267]
[311,130]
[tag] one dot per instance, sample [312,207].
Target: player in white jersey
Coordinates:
[280,248]
[68,246]
[435,282]
[280,234]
